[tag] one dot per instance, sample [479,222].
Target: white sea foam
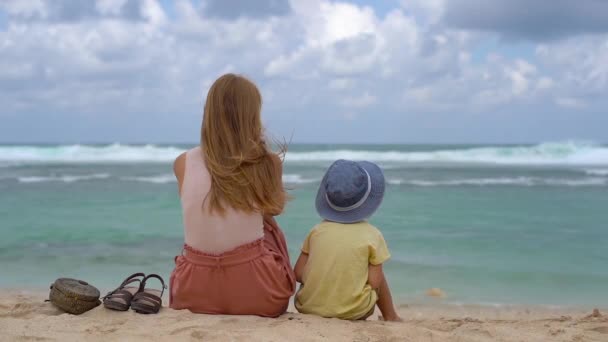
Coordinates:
[577,182]
[62,178]
[597,172]
[169,178]
[115,153]
[568,153]
[525,181]
[297,179]
[515,181]
[159,179]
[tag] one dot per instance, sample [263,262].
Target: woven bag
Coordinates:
[74,296]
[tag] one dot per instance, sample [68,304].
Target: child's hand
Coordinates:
[392,318]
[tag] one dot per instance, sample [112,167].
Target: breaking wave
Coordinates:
[567,153]
[62,178]
[516,181]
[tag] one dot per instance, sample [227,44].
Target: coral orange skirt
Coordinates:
[253,279]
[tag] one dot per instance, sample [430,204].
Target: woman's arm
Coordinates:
[299,268]
[179,168]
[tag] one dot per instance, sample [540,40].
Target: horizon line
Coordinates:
[67,143]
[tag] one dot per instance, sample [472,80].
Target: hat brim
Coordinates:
[366,210]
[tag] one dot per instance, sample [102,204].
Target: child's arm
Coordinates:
[375,276]
[377,281]
[299,268]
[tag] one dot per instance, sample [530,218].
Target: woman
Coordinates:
[235,257]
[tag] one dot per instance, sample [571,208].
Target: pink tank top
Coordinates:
[208,231]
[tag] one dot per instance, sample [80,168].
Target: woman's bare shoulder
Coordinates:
[179,168]
[179,165]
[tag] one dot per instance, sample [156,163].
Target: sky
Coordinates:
[361,71]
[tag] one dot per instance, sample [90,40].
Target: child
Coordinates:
[340,267]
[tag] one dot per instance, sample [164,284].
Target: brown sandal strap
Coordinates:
[146,303]
[143,283]
[147,296]
[124,294]
[131,279]
[145,309]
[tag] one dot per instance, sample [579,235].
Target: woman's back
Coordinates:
[206,230]
[235,258]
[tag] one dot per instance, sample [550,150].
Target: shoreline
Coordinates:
[425,301]
[25,316]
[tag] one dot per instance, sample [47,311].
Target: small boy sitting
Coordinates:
[340,267]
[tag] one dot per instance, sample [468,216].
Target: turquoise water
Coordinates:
[487,224]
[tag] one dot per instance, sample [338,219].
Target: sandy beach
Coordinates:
[24,316]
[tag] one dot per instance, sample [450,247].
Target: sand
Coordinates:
[24,316]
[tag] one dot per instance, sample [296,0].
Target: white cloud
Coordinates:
[340,21]
[338,38]
[428,10]
[421,95]
[332,56]
[520,75]
[341,83]
[544,83]
[520,83]
[570,102]
[153,12]
[24,8]
[580,63]
[111,7]
[364,100]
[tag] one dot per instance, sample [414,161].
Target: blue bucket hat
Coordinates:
[350,191]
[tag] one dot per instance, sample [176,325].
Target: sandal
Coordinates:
[120,299]
[148,301]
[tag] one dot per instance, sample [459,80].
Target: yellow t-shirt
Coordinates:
[334,281]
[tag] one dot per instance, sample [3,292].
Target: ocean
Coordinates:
[525,224]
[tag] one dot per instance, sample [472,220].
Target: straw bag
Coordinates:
[74,296]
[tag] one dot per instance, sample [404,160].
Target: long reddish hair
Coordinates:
[245,173]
